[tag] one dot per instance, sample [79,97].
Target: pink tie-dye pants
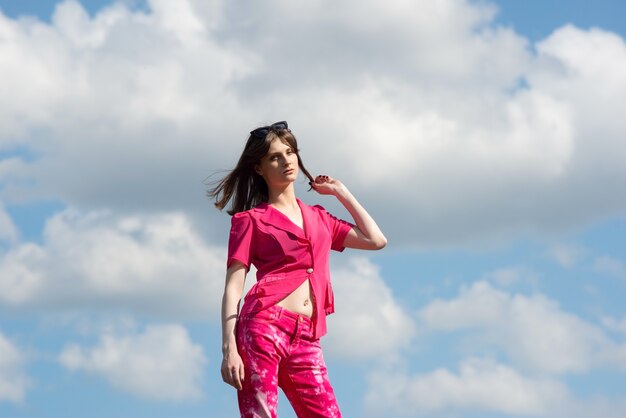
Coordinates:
[278,350]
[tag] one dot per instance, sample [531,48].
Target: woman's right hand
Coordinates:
[232,369]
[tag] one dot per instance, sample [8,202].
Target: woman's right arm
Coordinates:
[232,366]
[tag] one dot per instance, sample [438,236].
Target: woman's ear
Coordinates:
[257,169]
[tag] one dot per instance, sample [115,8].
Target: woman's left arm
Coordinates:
[366,235]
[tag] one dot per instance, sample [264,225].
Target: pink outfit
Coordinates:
[285,255]
[280,348]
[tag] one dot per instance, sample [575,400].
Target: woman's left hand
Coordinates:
[326,185]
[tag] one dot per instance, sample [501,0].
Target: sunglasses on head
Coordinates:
[264,130]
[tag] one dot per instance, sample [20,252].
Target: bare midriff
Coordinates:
[299,301]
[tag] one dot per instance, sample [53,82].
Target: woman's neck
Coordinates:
[283,197]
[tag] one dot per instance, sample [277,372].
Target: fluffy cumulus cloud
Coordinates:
[533,331]
[429,104]
[535,346]
[478,385]
[159,363]
[509,276]
[8,231]
[568,255]
[370,323]
[449,128]
[149,264]
[610,266]
[13,380]
[615,325]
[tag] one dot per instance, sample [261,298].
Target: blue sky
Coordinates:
[485,137]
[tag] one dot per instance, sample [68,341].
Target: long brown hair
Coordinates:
[243,184]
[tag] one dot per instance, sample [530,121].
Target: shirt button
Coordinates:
[309,270]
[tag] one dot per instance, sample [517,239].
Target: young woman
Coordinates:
[274,341]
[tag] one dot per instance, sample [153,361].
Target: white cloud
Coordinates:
[155,264]
[509,276]
[567,255]
[160,363]
[179,17]
[8,231]
[479,385]
[423,102]
[429,112]
[369,322]
[616,325]
[115,97]
[484,386]
[533,331]
[13,380]
[610,266]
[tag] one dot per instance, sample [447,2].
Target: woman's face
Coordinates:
[279,166]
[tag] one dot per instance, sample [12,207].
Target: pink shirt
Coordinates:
[285,255]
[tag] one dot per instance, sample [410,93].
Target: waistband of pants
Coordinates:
[286,313]
[278,312]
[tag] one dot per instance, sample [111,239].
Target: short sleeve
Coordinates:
[240,239]
[337,227]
